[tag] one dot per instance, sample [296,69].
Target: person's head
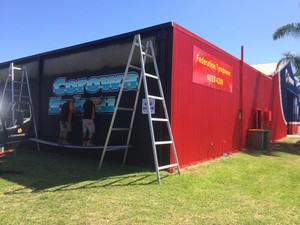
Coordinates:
[72,99]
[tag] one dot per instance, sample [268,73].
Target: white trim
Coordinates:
[279,84]
[294,123]
[110,148]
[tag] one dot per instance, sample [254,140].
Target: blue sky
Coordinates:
[30,27]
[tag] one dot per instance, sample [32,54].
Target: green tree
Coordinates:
[293,30]
[293,59]
[290,29]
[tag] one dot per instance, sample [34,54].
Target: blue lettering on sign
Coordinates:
[78,104]
[80,87]
[59,86]
[71,87]
[54,105]
[107,105]
[92,85]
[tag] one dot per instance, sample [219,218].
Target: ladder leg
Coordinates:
[3,93]
[132,119]
[149,113]
[13,91]
[18,96]
[32,110]
[165,109]
[116,107]
[101,160]
[143,55]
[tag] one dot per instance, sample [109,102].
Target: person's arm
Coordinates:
[71,110]
[97,101]
[93,112]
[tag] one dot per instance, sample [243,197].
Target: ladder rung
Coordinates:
[130,89]
[120,129]
[24,110]
[135,67]
[22,96]
[17,68]
[15,76]
[167,166]
[117,147]
[163,142]
[9,89]
[156,97]
[19,82]
[160,119]
[151,75]
[125,109]
[148,55]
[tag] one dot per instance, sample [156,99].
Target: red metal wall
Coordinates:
[261,92]
[257,91]
[206,121]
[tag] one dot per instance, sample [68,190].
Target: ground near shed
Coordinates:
[257,187]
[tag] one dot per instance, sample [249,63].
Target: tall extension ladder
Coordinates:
[144,53]
[18,92]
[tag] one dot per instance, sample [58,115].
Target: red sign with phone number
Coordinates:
[211,71]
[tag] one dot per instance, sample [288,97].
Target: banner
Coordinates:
[211,71]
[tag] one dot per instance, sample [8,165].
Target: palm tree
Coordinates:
[290,29]
[293,59]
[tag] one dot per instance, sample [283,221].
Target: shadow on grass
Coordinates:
[51,172]
[275,147]
[90,184]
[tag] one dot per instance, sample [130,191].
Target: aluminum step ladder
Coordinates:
[144,53]
[16,96]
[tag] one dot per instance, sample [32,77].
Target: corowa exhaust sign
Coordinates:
[211,71]
[94,85]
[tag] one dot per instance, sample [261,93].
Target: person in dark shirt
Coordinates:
[66,113]
[88,124]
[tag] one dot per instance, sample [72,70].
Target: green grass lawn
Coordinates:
[257,187]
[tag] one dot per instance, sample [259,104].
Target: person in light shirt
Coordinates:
[88,124]
[65,120]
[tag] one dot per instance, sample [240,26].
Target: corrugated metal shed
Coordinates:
[209,117]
